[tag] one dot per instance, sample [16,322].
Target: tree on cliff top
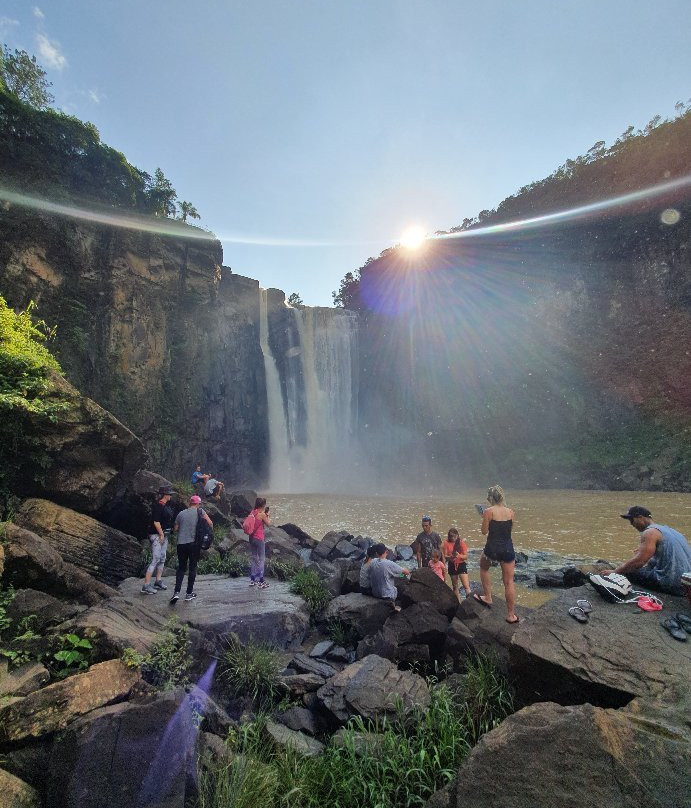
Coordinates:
[21,75]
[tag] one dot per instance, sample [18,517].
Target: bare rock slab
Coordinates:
[490,631]
[371,687]
[16,793]
[52,708]
[363,613]
[101,551]
[275,615]
[284,736]
[24,680]
[621,653]
[576,757]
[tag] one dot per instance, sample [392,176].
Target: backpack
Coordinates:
[203,534]
[250,524]
[614,588]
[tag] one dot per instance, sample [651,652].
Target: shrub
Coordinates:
[184,487]
[486,694]
[412,756]
[250,670]
[282,569]
[168,663]
[74,655]
[309,586]
[341,633]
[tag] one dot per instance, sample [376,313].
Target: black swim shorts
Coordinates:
[461,569]
[506,555]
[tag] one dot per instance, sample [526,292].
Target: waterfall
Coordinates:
[279,455]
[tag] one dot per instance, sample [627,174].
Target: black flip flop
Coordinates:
[671,625]
[684,621]
[578,614]
[480,600]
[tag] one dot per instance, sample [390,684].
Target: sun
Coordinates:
[413,237]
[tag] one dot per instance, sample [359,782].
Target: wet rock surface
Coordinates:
[224,605]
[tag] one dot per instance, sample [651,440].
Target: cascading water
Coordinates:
[279,455]
[312,390]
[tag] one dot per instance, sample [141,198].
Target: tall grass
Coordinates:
[407,760]
[311,589]
[249,670]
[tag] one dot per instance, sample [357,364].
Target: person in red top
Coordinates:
[455,552]
[258,545]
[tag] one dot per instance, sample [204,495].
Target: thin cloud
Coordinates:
[38,13]
[6,23]
[94,96]
[50,52]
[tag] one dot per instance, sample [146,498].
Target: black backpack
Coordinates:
[203,534]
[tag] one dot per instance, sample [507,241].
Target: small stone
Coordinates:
[321,649]
[285,737]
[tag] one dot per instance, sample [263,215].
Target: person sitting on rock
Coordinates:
[159,531]
[198,476]
[663,555]
[214,488]
[437,565]
[365,586]
[425,542]
[382,573]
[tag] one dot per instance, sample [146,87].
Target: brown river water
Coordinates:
[583,524]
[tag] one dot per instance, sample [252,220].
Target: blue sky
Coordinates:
[341,122]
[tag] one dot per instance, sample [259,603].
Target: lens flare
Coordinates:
[413,237]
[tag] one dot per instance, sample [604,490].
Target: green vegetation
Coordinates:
[169,662]
[341,633]
[249,670]
[74,655]
[309,586]
[411,757]
[29,399]
[23,77]
[233,565]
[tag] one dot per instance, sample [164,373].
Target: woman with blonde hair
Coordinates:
[497,522]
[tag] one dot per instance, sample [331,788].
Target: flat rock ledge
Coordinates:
[274,616]
[620,654]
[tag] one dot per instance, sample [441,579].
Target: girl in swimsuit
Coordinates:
[497,522]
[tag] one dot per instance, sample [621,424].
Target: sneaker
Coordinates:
[190,596]
[160,585]
[253,583]
[175,598]
[148,589]
[263,585]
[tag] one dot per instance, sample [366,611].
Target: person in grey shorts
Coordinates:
[159,531]
[186,527]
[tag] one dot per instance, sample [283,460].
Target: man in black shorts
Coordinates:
[426,542]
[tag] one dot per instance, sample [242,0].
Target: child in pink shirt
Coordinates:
[437,565]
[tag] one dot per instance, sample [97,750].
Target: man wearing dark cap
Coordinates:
[663,556]
[159,531]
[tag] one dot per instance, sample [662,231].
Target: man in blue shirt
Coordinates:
[382,573]
[663,555]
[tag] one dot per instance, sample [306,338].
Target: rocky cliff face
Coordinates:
[155,330]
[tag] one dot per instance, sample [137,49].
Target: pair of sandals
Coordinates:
[581,611]
[678,626]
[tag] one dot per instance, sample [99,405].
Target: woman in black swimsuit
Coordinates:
[497,521]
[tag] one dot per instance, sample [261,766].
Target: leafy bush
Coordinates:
[168,663]
[74,655]
[309,586]
[184,487]
[249,670]
[29,399]
[341,633]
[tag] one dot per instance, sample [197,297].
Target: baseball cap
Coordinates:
[427,519]
[634,511]
[195,500]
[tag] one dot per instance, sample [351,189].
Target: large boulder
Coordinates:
[241,502]
[284,737]
[52,708]
[23,680]
[93,454]
[372,687]
[223,605]
[32,561]
[301,719]
[135,753]
[620,653]
[365,614]
[303,539]
[336,544]
[45,610]
[279,544]
[118,623]
[576,757]
[101,551]
[305,664]
[16,793]
[416,634]
[490,631]
[424,586]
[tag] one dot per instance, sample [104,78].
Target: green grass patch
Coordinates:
[311,589]
[249,670]
[411,757]
[169,662]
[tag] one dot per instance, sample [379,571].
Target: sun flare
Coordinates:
[413,237]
